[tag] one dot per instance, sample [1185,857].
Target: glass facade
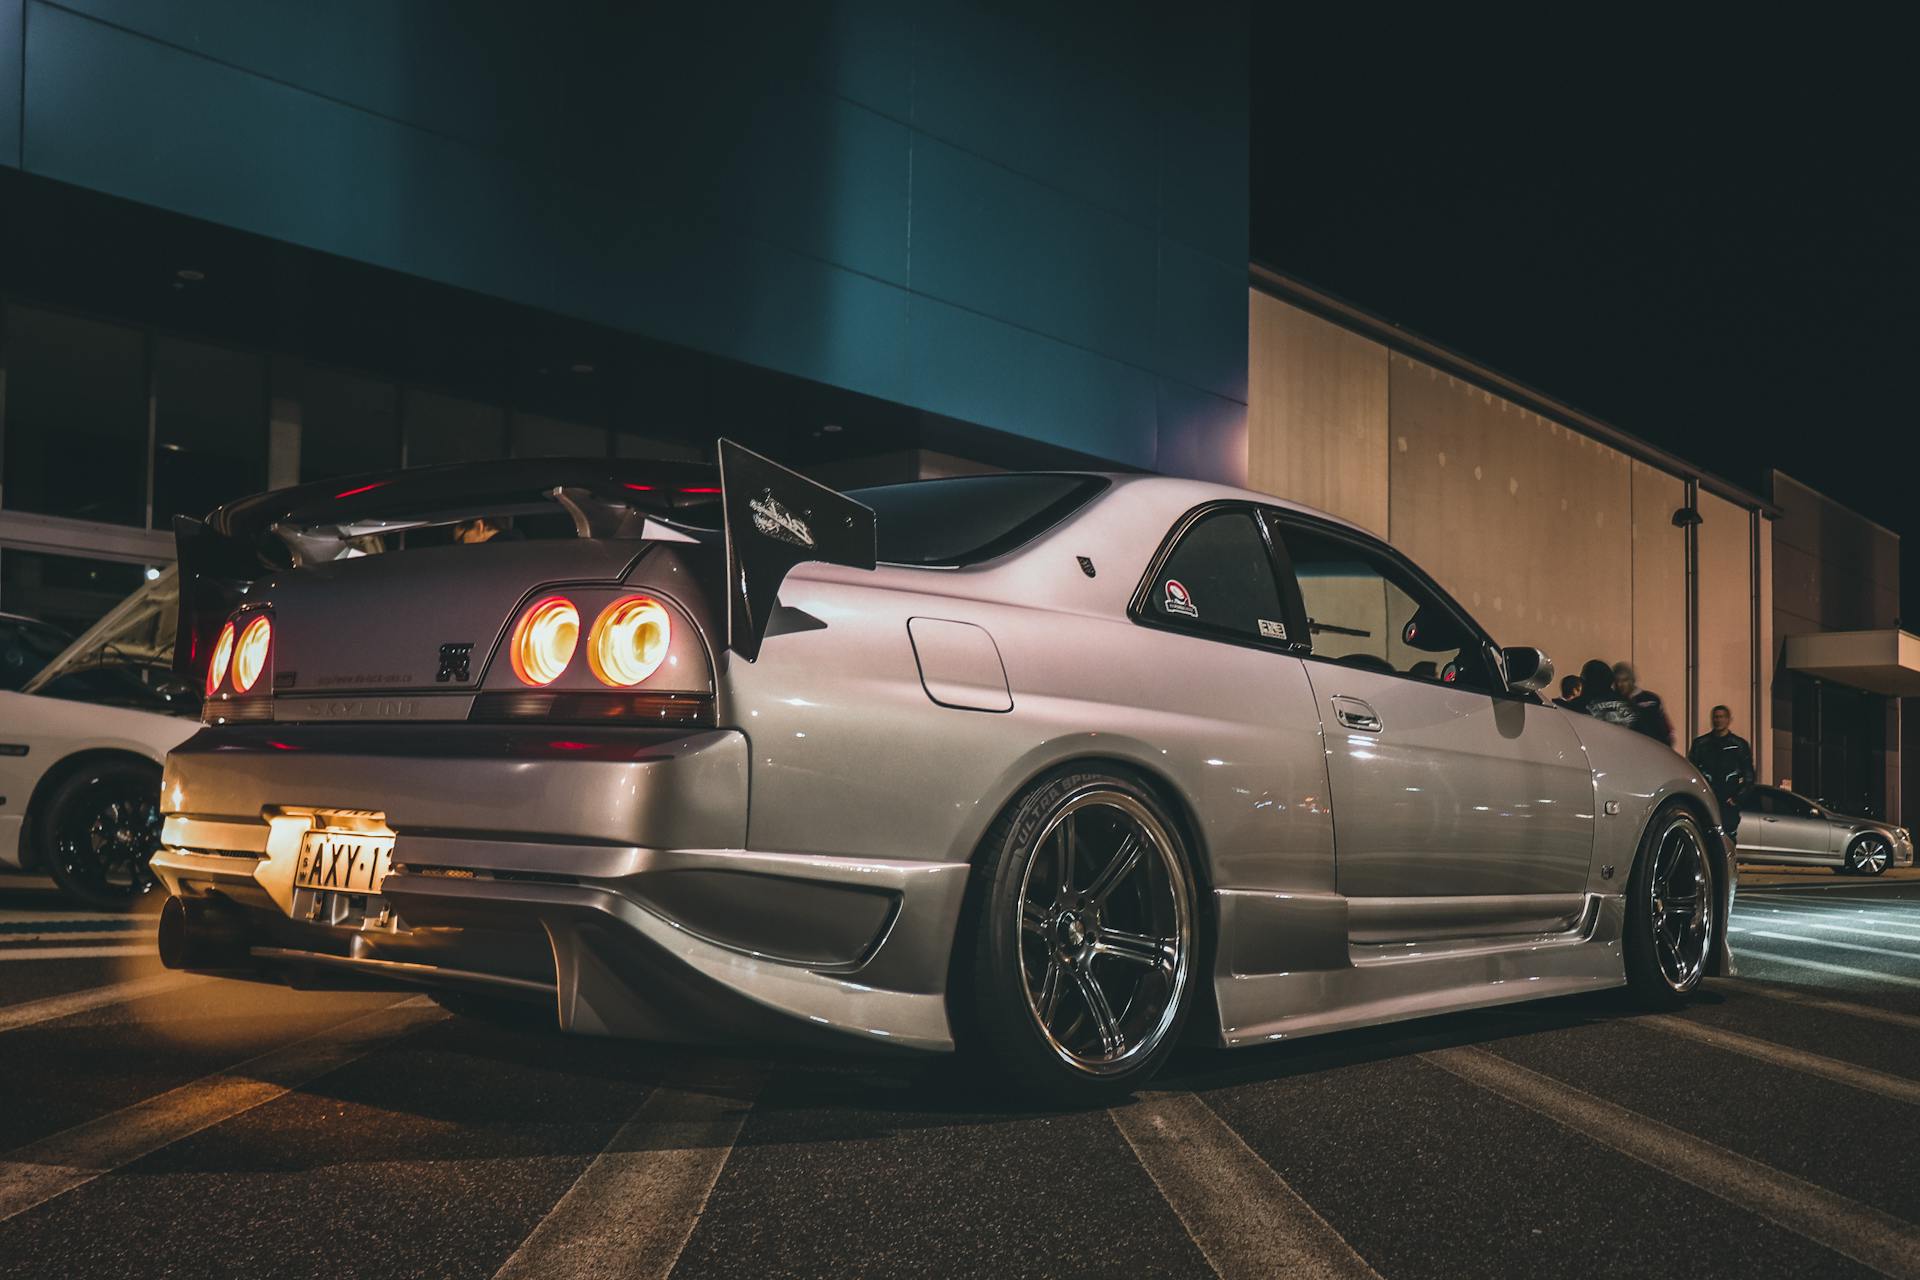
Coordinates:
[1840,746]
[75,417]
[209,409]
[70,592]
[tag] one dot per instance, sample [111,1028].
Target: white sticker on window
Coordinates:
[1272,630]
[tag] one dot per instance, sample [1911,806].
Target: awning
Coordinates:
[1886,662]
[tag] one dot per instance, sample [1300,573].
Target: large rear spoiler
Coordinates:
[770,519]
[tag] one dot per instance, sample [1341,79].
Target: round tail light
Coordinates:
[222,655]
[629,641]
[544,640]
[250,655]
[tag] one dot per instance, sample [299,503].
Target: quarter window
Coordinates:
[1220,578]
[1366,610]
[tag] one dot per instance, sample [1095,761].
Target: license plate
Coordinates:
[344,861]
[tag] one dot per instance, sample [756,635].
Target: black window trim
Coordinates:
[1491,652]
[1029,531]
[1139,608]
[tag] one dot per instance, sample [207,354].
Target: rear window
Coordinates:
[970,519]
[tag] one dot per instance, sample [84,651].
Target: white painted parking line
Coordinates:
[1242,1215]
[64,935]
[631,1212]
[77,953]
[33,1011]
[1892,1017]
[36,1173]
[1829,942]
[1823,966]
[1865,1234]
[1829,928]
[1898,1088]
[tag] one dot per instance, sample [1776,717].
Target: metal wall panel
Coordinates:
[804,190]
[1317,413]
[1527,523]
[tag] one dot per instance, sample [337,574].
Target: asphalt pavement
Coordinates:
[154,1124]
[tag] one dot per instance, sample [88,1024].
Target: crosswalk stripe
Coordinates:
[77,953]
[632,1210]
[1850,907]
[63,935]
[45,1010]
[1825,966]
[1892,1017]
[1839,946]
[1898,1088]
[36,1173]
[1865,1234]
[1243,1216]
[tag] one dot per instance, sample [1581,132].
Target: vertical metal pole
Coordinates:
[1693,611]
[1759,691]
[153,424]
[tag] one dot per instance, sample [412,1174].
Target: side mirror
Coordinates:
[1528,670]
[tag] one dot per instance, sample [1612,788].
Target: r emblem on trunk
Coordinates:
[454,660]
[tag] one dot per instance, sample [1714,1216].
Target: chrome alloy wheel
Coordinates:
[1106,931]
[1869,856]
[1682,902]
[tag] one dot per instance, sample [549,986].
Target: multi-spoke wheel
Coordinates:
[1085,951]
[1869,855]
[100,829]
[1673,909]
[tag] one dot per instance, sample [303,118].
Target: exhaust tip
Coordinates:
[198,934]
[173,934]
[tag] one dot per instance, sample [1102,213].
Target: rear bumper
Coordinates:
[607,874]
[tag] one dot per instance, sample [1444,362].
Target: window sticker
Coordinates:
[1272,630]
[1177,600]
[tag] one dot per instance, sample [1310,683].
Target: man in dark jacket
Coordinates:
[1725,760]
[1649,713]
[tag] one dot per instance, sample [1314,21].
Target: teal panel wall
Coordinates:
[1034,219]
[11,13]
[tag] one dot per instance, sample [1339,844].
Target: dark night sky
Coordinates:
[1718,252]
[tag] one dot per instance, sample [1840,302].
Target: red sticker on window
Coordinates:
[1177,600]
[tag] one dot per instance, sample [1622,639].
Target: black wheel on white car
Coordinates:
[1673,909]
[1086,941]
[1869,855]
[99,831]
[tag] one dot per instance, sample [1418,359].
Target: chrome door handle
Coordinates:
[1352,713]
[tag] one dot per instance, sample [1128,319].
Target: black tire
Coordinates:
[1103,934]
[1858,861]
[1668,948]
[98,832]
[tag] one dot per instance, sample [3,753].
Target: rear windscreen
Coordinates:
[969,519]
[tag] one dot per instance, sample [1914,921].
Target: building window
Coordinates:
[76,418]
[348,424]
[536,436]
[71,592]
[210,428]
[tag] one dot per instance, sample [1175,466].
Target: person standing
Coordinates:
[1649,712]
[1569,693]
[1725,760]
[1597,697]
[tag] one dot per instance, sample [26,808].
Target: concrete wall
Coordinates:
[1549,537]
[1031,218]
[1528,524]
[1317,413]
[1726,613]
[1660,587]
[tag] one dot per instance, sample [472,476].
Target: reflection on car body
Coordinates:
[920,777]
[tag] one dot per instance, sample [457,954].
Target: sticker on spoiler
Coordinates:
[774,520]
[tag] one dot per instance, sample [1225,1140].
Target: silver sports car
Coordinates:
[1780,828]
[1047,767]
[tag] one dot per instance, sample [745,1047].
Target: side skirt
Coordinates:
[1318,981]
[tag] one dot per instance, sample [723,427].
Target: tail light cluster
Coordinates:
[636,661]
[238,687]
[627,644]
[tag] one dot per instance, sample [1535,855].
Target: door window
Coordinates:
[1367,610]
[1219,578]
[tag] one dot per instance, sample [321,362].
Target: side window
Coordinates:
[1365,610]
[1220,578]
[1789,805]
[1761,800]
